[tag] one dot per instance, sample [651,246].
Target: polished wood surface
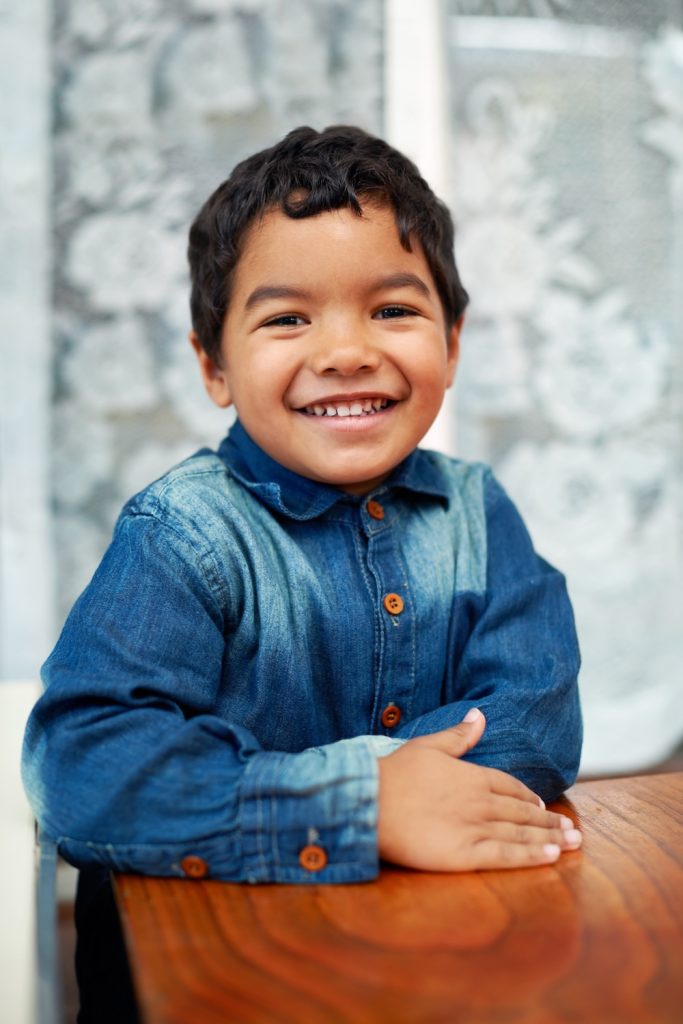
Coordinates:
[596,938]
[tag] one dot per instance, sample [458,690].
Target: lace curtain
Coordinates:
[567,183]
[155,102]
[26,620]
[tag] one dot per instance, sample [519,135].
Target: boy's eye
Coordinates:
[394,312]
[286,320]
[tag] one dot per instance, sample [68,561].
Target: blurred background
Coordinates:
[555,131]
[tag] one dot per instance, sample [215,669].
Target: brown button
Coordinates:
[375,510]
[313,858]
[391,716]
[194,867]
[393,604]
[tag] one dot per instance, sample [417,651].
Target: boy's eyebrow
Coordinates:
[274,291]
[403,279]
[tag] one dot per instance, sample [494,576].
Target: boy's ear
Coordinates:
[453,347]
[213,375]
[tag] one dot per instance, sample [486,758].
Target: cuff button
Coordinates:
[313,858]
[194,867]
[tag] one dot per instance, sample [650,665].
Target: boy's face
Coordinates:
[334,349]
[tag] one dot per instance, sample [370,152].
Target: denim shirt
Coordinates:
[220,689]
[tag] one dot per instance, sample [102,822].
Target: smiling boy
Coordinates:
[319,645]
[336,358]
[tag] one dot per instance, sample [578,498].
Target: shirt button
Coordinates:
[194,867]
[393,604]
[313,858]
[391,716]
[375,510]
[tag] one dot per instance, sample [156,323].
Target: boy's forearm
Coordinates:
[544,756]
[128,763]
[247,815]
[519,664]
[525,685]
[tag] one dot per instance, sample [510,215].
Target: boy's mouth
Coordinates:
[355,407]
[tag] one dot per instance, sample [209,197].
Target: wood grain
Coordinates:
[597,938]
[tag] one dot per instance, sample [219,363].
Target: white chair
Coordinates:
[22,1000]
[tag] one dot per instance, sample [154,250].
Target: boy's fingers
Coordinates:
[507,785]
[532,835]
[496,853]
[523,812]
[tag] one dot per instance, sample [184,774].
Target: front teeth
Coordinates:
[366,407]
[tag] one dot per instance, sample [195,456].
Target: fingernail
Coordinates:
[472,715]
[551,850]
[566,822]
[540,803]
[573,837]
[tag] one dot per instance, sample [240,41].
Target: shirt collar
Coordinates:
[301,498]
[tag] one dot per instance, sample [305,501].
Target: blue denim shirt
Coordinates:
[219,688]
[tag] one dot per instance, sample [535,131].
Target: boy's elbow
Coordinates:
[553,783]
[549,761]
[33,774]
[62,804]
[563,743]
[562,769]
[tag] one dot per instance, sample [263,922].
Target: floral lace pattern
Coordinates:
[663,69]
[567,379]
[540,8]
[150,116]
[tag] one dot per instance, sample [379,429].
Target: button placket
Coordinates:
[395,677]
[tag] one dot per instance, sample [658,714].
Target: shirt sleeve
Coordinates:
[128,763]
[519,664]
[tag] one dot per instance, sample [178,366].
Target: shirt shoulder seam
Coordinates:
[205,558]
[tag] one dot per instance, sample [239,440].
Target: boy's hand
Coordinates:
[437,813]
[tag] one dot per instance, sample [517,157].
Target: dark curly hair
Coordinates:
[306,173]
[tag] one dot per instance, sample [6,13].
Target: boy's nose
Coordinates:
[346,355]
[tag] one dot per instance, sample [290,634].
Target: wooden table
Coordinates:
[596,938]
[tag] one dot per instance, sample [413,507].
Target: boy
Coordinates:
[319,645]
